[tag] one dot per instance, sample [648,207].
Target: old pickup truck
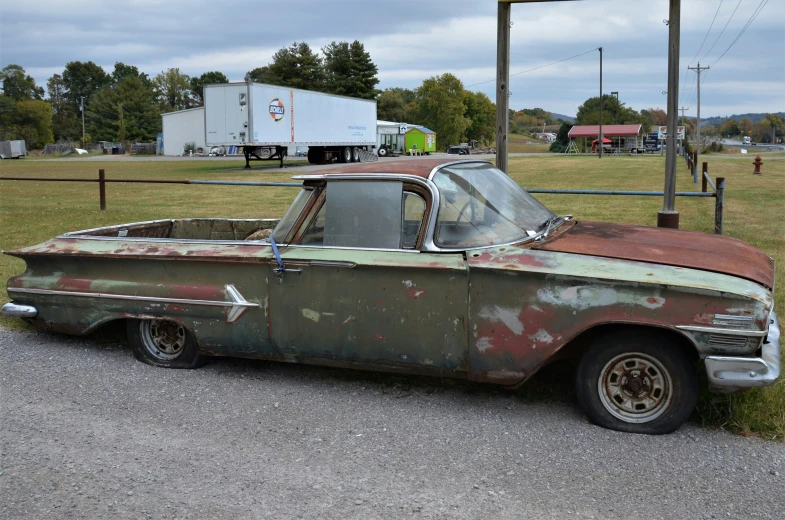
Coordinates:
[427,266]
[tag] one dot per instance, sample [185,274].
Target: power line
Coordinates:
[536,68]
[743,29]
[723,30]
[707,32]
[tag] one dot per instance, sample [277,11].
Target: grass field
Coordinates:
[32,212]
[521,144]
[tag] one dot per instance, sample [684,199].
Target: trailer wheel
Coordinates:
[382,152]
[356,154]
[314,155]
[346,155]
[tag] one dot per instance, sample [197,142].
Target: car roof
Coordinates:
[417,167]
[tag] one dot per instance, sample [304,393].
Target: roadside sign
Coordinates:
[664,133]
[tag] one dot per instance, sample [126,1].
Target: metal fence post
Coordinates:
[719,205]
[703,176]
[102,188]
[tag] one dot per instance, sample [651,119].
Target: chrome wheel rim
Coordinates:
[635,387]
[163,340]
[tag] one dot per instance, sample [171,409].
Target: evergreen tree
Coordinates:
[127,111]
[296,66]
[349,70]
[19,86]
[208,78]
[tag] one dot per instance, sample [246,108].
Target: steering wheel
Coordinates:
[463,211]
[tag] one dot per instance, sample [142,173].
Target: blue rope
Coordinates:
[276,253]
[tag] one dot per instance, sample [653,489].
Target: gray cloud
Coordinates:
[411,40]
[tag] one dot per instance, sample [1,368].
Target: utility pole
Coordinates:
[682,123]
[81,109]
[668,216]
[698,69]
[502,81]
[600,140]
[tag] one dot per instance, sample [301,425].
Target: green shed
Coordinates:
[420,138]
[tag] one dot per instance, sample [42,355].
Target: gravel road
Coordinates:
[88,432]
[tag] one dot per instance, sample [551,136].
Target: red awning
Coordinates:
[604,140]
[609,130]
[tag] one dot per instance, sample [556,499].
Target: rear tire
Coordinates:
[346,154]
[637,382]
[355,154]
[163,343]
[382,152]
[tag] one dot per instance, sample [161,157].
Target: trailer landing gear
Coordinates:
[263,154]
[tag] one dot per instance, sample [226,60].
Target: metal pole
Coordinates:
[102,189]
[81,107]
[719,205]
[668,216]
[600,140]
[502,82]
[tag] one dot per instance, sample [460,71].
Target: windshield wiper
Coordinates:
[550,223]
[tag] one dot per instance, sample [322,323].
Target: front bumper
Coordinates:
[14,310]
[730,374]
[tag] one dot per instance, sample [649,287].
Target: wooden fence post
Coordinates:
[719,205]
[703,176]
[102,189]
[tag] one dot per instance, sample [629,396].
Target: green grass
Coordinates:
[523,144]
[32,212]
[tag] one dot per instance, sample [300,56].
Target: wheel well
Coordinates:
[575,348]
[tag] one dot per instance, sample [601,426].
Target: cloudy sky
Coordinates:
[410,40]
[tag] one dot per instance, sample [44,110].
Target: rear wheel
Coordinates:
[637,382]
[355,154]
[382,152]
[346,154]
[163,343]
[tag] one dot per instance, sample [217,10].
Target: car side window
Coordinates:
[412,218]
[314,234]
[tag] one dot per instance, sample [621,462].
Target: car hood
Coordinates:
[715,253]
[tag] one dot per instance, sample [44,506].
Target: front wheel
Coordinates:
[163,343]
[638,383]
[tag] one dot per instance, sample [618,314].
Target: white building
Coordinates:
[391,135]
[181,127]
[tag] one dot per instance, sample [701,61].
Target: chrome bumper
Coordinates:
[14,310]
[729,374]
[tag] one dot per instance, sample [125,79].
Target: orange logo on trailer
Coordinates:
[276,109]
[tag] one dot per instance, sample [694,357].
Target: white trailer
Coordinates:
[268,120]
[12,149]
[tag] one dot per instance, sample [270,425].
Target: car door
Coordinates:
[356,291]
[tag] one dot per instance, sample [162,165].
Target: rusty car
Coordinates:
[427,266]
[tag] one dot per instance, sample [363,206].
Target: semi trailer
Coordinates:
[267,121]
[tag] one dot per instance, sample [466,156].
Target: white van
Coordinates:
[747,140]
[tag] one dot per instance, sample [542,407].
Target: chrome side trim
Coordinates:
[237,304]
[330,263]
[729,332]
[729,374]
[14,310]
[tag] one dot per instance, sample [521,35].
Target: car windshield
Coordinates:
[481,206]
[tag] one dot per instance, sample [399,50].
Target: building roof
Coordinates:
[607,130]
[421,129]
[418,167]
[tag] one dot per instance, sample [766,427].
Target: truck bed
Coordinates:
[185,229]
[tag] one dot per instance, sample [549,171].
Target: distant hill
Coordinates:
[754,118]
[569,119]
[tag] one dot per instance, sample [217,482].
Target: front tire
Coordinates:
[163,343]
[637,382]
[382,152]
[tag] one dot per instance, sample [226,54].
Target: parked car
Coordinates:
[427,266]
